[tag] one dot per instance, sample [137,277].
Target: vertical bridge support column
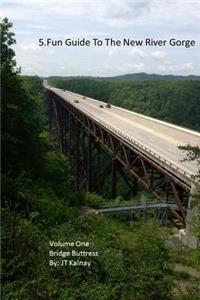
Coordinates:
[98,168]
[89,160]
[114,177]
[77,156]
[193,216]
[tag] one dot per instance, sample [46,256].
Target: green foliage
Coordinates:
[132,76]
[129,265]
[165,100]
[192,153]
[192,293]
[88,87]
[93,200]
[8,62]
[148,266]
[33,85]
[186,256]
[175,101]
[20,124]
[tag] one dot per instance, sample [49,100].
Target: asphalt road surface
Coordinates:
[158,137]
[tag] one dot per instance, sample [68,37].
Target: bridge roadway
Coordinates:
[157,139]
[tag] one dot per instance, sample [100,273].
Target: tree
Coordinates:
[20,123]
[8,62]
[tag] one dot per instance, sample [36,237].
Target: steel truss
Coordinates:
[88,141]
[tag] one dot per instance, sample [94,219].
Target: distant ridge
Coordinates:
[134,76]
[145,76]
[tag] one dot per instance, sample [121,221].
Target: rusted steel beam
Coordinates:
[89,160]
[154,177]
[114,177]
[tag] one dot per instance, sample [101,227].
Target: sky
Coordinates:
[133,19]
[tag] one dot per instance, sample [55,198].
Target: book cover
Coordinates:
[100,150]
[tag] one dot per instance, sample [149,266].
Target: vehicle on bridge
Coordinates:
[101,106]
[76,101]
[108,105]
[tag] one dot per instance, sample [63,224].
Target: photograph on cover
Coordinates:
[100,150]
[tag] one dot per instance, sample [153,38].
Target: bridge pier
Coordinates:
[77,156]
[192,220]
[89,161]
[52,115]
[113,174]
[98,167]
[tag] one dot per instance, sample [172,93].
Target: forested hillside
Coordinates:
[175,101]
[40,204]
[145,76]
[131,76]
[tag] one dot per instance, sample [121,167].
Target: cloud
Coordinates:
[142,12]
[23,32]
[37,26]
[137,52]
[127,10]
[134,68]
[114,13]
[185,68]
[51,52]
[29,47]
[112,51]
[159,55]
[134,19]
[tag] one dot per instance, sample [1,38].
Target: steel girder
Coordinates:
[74,126]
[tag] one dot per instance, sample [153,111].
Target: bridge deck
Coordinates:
[158,139]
